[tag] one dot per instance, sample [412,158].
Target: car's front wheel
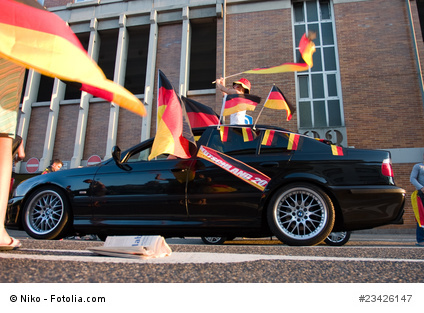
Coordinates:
[46,214]
[301,214]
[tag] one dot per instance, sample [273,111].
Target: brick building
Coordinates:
[364,90]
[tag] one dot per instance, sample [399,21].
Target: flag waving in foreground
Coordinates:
[306,49]
[199,114]
[173,134]
[234,103]
[38,39]
[235,167]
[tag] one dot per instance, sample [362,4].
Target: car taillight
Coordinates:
[386,168]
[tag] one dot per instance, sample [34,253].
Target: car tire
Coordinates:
[338,238]
[47,214]
[214,240]
[301,214]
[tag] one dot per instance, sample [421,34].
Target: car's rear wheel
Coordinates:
[214,240]
[47,214]
[337,238]
[301,214]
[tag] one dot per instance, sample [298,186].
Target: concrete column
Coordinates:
[119,78]
[185,53]
[30,96]
[150,75]
[57,96]
[93,51]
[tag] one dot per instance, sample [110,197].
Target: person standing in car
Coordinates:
[242,86]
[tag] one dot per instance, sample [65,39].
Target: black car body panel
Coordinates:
[194,197]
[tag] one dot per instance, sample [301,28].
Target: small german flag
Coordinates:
[268,137]
[223,131]
[248,134]
[277,101]
[240,102]
[293,142]
[336,150]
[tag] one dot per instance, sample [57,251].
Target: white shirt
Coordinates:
[238,118]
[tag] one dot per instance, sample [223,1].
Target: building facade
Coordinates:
[365,89]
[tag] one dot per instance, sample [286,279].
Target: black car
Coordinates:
[308,188]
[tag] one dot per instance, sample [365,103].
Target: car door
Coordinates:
[217,198]
[144,193]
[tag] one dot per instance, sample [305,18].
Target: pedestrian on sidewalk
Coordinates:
[417,179]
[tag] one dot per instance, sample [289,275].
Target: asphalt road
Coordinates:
[372,271]
[364,259]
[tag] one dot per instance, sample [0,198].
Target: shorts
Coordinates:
[11,81]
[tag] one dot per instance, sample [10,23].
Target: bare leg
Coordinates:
[5,176]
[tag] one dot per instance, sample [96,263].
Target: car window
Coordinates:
[142,155]
[278,143]
[234,142]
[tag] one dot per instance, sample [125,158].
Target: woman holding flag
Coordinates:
[242,86]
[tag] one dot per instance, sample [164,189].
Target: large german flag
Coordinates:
[199,114]
[306,49]
[277,101]
[38,39]
[173,134]
[234,103]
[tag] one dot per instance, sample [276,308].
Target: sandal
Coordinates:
[14,244]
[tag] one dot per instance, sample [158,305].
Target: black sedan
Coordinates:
[243,181]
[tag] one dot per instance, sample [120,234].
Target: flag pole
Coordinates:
[222,111]
[229,76]
[254,125]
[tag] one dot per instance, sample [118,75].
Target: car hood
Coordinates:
[61,178]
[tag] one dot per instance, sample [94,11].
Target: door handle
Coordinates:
[178,170]
[269,164]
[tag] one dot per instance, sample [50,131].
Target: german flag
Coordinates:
[248,134]
[293,142]
[306,49]
[234,103]
[223,131]
[199,114]
[277,101]
[417,206]
[336,150]
[35,38]
[268,137]
[173,135]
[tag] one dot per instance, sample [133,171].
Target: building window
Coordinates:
[46,88]
[202,54]
[72,92]
[318,89]
[135,74]
[107,53]
[420,8]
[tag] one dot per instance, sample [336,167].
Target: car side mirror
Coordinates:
[116,155]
